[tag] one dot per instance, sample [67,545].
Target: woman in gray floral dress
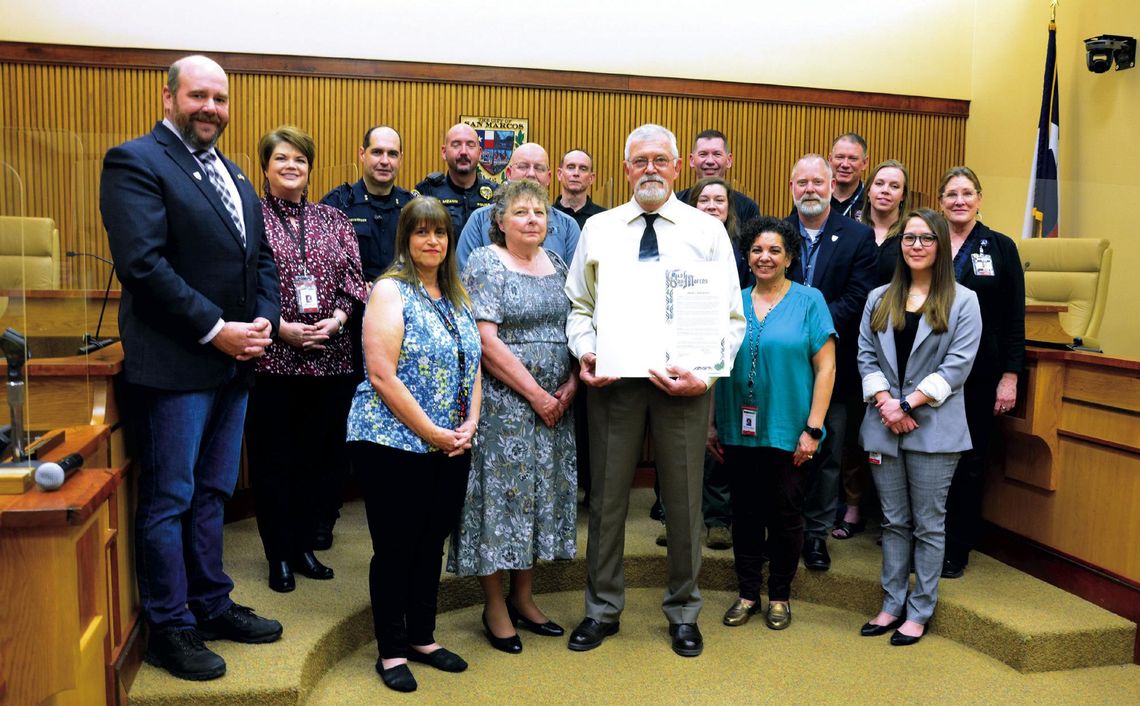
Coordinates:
[522,491]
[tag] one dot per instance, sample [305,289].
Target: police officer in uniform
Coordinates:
[462,189]
[373,203]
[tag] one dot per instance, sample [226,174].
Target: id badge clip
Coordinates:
[983,264]
[747,420]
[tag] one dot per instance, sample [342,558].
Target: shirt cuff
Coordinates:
[213,332]
[936,389]
[874,383]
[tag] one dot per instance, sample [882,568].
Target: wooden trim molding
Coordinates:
[114,57]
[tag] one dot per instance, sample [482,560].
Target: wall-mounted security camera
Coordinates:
[1102,50]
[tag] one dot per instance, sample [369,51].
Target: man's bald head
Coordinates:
[530,161]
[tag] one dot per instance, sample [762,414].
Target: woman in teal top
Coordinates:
[410,431]
[769,418]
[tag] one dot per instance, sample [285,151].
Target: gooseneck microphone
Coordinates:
[52,474]
[94,343]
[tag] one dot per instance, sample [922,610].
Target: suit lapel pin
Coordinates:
[834,237]
[241,177]
[198,176]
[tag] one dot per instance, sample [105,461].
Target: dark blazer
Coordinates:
[1002,301]
[844,273]
[181,261]
[939,364]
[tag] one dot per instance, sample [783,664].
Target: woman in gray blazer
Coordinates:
[917,343]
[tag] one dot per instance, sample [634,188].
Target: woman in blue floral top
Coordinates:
[410,430]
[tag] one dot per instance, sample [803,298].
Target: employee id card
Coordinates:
[306,288]
[747,420]
[983,264]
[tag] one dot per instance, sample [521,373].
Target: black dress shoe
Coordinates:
[180,651]
[547,629]
[398,678]
[872,630]
[590,633]
[511,645]
[900,640]
[307,565]
[687,640]
[816,557]
[952,570]
[240,624]
[442,659]
[657,512]
[281,577]
[323,536]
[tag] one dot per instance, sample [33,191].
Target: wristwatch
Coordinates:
[904,406]
[814,432]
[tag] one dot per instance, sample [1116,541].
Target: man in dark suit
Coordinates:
[838,258]
[199,303]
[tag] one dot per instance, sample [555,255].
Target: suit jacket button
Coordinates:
[241,300]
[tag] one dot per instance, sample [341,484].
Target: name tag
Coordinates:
[747,420]
[305,287]
[983,265]
[875,458]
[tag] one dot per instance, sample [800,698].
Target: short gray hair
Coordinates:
[649,131]
[810,157]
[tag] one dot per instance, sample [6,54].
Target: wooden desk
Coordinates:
[1069,474]
[59,312]
[1043,323]
[67,582]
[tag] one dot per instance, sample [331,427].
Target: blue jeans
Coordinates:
[188,445]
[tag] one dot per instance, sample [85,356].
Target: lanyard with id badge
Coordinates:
[305,284]
[748,409]
[982,262]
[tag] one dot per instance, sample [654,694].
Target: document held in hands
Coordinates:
[654,315]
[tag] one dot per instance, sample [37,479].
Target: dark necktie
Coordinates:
[648,250]
[207,159]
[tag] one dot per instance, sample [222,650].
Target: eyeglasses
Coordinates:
[527,166]
[925,239]
[659,162]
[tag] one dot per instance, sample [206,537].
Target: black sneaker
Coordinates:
[240,624]
[181,652]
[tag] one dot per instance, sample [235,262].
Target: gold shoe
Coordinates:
[740,612]
[779,615]
[719,538]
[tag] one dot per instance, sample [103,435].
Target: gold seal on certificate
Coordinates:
[656,314]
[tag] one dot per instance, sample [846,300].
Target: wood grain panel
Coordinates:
[1106,388]
[63,107]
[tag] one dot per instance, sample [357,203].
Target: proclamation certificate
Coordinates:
[654,314]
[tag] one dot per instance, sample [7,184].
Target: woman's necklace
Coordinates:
[769,305]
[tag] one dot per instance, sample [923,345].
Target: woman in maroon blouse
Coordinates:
[297,410]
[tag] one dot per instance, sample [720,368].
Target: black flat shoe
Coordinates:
[547,629]
[510,645]
[872,630]
[952,569]
[816,557]
[590,633]
[900,640]
[307,564]
[398,678]
[687,640]
[281,577]
[442,659]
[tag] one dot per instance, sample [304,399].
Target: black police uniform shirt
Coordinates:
[581,215]
[459,202]
[374,219]
[853,205]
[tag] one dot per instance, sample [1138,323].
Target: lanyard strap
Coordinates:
[299,237]
[445,315]
[753,334]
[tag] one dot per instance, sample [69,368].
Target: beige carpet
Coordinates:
[999,635]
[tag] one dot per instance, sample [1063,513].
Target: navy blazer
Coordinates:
[181,262]
[1002,300]
[939,364]
[844,273]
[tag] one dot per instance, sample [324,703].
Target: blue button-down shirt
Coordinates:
[561,234]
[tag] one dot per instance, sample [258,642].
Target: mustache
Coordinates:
[650,179]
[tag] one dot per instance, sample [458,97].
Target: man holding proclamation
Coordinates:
[673,401]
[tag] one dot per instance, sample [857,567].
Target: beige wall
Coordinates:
[988,51]
[1100,140]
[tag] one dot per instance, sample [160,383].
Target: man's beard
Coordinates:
[192,138]
[652,189]
[809,206]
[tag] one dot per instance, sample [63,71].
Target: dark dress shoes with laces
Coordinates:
[181,652]
[240,624]
[590,633]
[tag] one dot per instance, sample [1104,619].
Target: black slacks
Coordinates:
[294,428]
[964,504]
[413,501]
[767,493]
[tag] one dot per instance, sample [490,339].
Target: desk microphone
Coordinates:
[1025,266]
[52,474]
[94,343]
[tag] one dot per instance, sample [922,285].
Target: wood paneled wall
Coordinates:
[59,117]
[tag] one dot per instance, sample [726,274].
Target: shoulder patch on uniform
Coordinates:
[413,192]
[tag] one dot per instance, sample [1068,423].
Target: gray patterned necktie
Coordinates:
[207,159]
